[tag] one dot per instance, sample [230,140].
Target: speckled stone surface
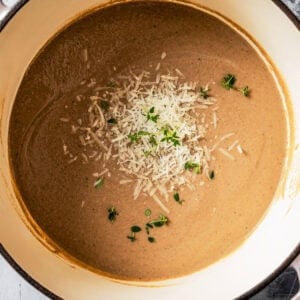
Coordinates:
[294,6]
[284,287]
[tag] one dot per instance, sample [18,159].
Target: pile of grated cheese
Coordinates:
[158,165]
[149,124]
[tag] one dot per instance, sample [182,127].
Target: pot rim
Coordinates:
[257,288]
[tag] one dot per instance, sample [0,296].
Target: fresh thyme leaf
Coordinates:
[99,183]
[211,175]
[176,142]
[152,140]
[192,166]
[135,228]
[228,81]
[104,105]
[158,224]
[147,153]
[112,214]
[245,91]
[141,133]
[112,121]
[112,84]
[148,227]
[204,92]
[148,212]
[161,221]
[177,198]
[170,136]
[151,239]
[131,237]
[151,116]
[154,118]
[135,137]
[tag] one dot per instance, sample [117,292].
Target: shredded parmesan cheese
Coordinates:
[179,73]
[233,145]
[125,181]
[72,160]
[85,55]
[240,149]
[226,153]
[214,119]
[65,120]
[159,125]
[158,163]
[223,138]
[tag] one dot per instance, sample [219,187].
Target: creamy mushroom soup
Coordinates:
[147,140]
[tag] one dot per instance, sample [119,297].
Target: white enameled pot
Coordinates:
[271,243]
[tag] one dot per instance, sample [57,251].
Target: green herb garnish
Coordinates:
[99,183]
[151,116]
[170,136]
[135,137]
[112,214]
[204,92]
[104,105]
[245,91]
[192,166]
[135,228]
[147,153]
[148,212]
[112,121]
[151,239]
[161,221]
[228,83]
[152,140]
[111,84]
[131,237]
[177,198]
[148,227]
[211,175]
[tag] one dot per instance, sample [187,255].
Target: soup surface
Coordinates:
[79,194]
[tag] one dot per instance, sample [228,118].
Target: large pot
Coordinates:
[271,244]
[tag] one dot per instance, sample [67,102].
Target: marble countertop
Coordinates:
[294,6]
[14,287]
[285,286]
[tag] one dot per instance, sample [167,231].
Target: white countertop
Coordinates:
[14,287]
